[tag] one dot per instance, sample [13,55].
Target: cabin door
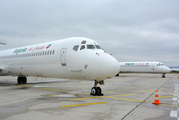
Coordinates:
[63,56]
[153,67]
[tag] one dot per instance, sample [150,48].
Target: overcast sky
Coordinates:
[132,30]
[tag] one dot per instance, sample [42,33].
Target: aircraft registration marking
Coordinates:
[83,104]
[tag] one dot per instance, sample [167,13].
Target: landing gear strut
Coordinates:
[163,76]
[96,90]
[22,80]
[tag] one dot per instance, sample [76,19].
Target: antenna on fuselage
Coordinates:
[2,43]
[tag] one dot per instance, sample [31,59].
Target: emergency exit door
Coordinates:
[63,56]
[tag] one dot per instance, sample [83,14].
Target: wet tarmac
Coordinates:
[127,97]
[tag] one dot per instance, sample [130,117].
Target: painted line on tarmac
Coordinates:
[141,101]
[174,113]
[149,91]
[98,97]
[162,97]
[87,98]
[83,104]
[22,85]
[125,100]
[125,95]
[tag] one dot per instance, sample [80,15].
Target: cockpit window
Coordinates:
[82,47]
[160,64]
[90,47]
[83,42]
[75,48]
[98,47]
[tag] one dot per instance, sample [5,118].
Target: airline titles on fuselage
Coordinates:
[31,49]
[136,63]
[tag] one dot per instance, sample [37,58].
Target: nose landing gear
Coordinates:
[22,80]
[163,76]
[96,91]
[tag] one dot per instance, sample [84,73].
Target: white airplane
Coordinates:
[72,58]
[174,69]
[144,67]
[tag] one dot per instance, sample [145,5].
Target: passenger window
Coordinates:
[97,46]
[90,47]
[83,42]
[82,47]
[75,48]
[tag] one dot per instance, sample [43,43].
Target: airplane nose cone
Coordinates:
[110,67]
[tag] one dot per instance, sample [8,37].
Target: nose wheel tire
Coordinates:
[96,91]
[163,76]
[21,80]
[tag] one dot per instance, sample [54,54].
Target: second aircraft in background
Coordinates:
[144,67]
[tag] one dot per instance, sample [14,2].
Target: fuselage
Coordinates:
[72,58]
[143,67]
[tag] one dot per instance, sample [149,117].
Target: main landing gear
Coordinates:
[163,76]
[22,80]
[96,90]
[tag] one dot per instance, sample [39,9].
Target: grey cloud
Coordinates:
[130,30]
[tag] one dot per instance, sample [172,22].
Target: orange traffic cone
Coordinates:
[156,101]
[178,77]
